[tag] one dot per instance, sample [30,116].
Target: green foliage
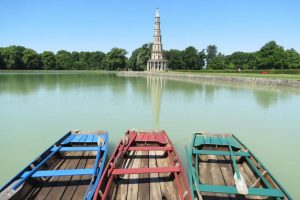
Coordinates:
[12,57]
[271,56]
[211,52]
[139,57]
[64,60]
[48,60]
[31,59]
[115,59]
[218,62]
[242,60]
[292,59]
[175,59]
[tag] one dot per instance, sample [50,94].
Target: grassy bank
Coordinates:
[257,74]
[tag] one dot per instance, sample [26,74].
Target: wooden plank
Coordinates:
[75,180]
[155,191]
[63,181]
[121,190]
[83,138]
[216,174]
[44,188]
[81,189]
[89,138]
[168,189]
[144,185]
[133,187]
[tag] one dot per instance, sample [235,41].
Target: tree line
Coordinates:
[270,56]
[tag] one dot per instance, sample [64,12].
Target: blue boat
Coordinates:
[69,169]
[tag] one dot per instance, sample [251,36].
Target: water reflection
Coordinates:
[156,86]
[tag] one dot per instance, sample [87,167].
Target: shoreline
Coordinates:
[233,79]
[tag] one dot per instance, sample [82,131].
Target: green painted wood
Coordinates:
[258,173]
[220,153]
[232,190]
[214,140]
[235,167]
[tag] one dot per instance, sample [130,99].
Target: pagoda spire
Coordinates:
[157,61]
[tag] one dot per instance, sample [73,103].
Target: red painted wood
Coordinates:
[146,170]
[150,148]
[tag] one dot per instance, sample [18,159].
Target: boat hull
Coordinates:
[68,169]
[144,166]
[222,167]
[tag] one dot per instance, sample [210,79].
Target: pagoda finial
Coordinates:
[157,12]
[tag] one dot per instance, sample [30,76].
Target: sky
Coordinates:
[90,25]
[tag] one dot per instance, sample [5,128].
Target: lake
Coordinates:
[36,109]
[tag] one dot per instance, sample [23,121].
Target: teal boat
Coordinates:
[222,167]
[69,169]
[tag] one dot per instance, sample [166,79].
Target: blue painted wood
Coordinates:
[232,190]
[220,153]
[76,138]
[89,138]
[64,172]
[68,139]
[84,148]
[83,138]
[95,139]
[21,181]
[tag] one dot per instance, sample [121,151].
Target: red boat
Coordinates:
[144,166]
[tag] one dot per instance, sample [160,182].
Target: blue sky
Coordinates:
[89,25]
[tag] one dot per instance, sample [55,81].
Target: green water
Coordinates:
[38,108]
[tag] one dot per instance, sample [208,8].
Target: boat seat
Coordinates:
[81,138]
[65,172]
[201,140]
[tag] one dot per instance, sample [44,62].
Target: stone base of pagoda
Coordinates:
[157,65]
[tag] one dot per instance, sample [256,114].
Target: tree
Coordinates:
[175,59]
[64,60]
[271,56]
[31,59]
[115,59]
[211,52]
[2,66]
[292,59]
[217,63]
[201,59]
[48,60]
[96,59]
[12,57]
[190,57]
[242,60]
[139,57]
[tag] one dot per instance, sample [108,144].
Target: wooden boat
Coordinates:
[144,166]
[69,169]
[222,167]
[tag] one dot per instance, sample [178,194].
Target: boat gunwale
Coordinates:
[113,156]
[92,182]
[279,186]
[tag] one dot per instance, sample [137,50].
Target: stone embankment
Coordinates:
[206,77]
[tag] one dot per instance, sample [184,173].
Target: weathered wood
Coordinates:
[133,187]
[63,181]
[155,191]
[216,174]
[122,189]
[81,188]
[144,185]
[167,187]
[43,188]
[75,180]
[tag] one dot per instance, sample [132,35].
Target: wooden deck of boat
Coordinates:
[145,186]
[66,187]
[218,170]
